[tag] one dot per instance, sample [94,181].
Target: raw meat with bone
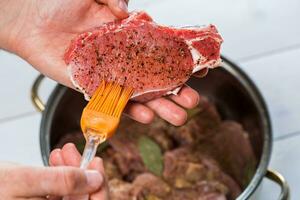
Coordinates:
[155,60]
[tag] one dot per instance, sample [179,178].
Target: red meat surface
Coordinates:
[155,60]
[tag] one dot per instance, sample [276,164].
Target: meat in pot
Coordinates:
[207,158]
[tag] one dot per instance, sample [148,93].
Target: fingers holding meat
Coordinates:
[139,112]
[187,97]
[172,112]
[168,110]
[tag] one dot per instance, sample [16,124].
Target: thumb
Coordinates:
[58,181]
[118,7]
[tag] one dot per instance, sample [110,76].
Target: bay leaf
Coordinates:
[151,155]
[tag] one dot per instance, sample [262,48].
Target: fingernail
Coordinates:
[69,146]
[123,5]
[94,178]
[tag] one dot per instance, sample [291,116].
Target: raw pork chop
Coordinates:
[155,60]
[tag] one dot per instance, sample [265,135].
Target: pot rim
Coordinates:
[259,101]
[232,68]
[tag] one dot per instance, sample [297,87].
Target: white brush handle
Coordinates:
[90,150]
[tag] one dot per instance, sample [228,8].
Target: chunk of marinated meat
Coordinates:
[186,134]
[120,190]
[181,169]
[193,194]
[127,156]
[154,60]
[185,167]
[158,131]
[111,169]
[147,186]
[205,119]
[232,140]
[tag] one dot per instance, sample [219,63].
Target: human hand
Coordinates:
[40,31]
[69,156]
[36,183]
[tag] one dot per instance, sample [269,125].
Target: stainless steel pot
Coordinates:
[235,95]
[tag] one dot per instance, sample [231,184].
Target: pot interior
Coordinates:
[234,95]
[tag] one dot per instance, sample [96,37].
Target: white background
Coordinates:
[263,37]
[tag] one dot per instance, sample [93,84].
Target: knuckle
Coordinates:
[71,180]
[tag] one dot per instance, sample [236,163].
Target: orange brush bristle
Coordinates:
[103,111]
[110,98]
[101,117]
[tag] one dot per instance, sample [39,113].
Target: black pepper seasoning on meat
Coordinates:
[181,52]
